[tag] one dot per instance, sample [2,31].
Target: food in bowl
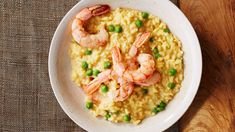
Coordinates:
[127,62]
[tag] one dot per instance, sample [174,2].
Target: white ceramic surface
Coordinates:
[71,98]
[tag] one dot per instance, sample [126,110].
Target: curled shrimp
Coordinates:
[147,64]
[146,69]
[118,66]
[155,78]
[94,85]
[126,87]
[144,74]
[125,90]
[84,38]
[139,41]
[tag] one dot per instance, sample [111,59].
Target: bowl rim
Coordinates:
[52,72]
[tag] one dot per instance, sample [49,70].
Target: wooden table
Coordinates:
[213,109]
[27,102]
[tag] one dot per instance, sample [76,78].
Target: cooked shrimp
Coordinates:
[95,97]
[95,84]
[126,87]
[132,64]
[125,90]
[140,40]
[138,75]
[118,66]
[84,38]
[146,61]
[146,69]
[155,78]
[131,74]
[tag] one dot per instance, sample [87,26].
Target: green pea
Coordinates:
[96,72]
[118,29]
[138,23]
[156,56]
[88,52]
[171,85]
[107,64]
[84,65]
[126,118]
[166,30]
[104,89]
[107,116]
[145,15]
[151,39]
[162,105]
[89,72]
[145,91]
[156,53]
[155,50]
[89,105]
[156,110]
[159,107]
[111,28]
[172,72]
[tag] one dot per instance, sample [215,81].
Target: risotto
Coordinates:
[123,25]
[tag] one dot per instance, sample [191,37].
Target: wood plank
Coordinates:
[214,106]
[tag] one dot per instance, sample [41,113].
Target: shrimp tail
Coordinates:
[99,10]
[146,69]
[95,84]
[81,36]
[86,13]
[140,40]
[119,68]
[125,90]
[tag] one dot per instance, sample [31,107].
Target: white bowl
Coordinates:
[71,98]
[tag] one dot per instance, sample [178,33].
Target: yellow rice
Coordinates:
[138,105]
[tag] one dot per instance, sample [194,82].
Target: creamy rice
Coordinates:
[139,105]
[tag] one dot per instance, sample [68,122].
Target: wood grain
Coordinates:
[214,106]
[27,102]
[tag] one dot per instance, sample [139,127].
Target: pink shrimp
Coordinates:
[135,73]
[146,69]
[95,97]
[84,38]
[125,90]
[118,66]
[94,85]
[126,87]
[139,41]
[155,78]
[143,75]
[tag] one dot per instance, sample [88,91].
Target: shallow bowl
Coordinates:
[71,98]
